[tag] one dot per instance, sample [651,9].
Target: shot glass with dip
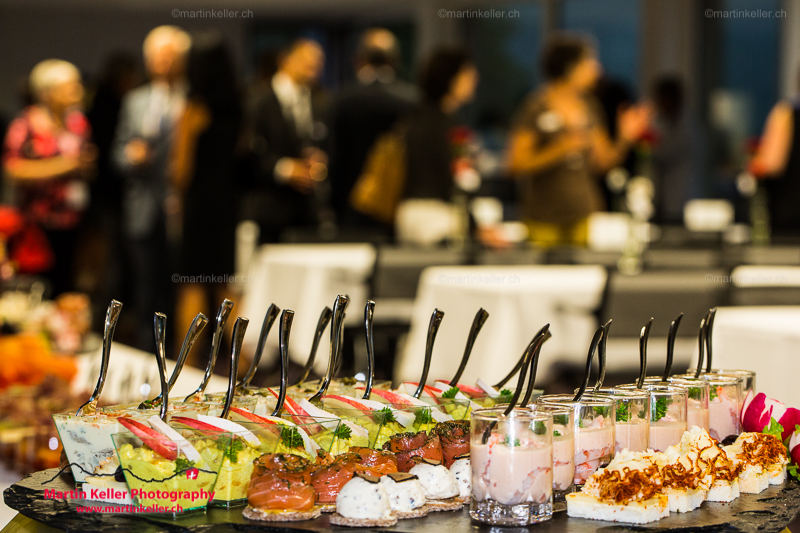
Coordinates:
[512,466]
[593,426]
[748,378]
[724,405]
[667,415]
[563,452]
[632,425]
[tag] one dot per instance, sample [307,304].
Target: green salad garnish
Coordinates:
[451,392]
[291,437]
[423,416]
[343,432]
[383,416]
[660,408]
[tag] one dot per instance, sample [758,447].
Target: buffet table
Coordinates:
[519,299]
[771,511]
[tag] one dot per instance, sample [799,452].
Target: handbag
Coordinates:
[380,187]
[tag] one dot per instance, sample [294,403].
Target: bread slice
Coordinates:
[581,505]
[685,500]
[753,480]
[268,515]
[419,512]
[339,520]
[450,504]
[776,474]
[327,507]
[723,491]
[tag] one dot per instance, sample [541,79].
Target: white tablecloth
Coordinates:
[304,278]
[129,369]
[520,300]
[765,340]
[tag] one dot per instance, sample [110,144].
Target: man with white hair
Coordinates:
[141,154]
[47,158]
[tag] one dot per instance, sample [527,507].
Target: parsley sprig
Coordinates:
[422,416]
[291,437]
[343,432]
[183,464]
[660,408]
[384,416]
[451,392]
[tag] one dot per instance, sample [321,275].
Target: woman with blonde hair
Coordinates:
[47,159]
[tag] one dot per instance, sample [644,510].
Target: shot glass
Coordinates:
[667,414]
[512,466]
[724,405]
[698,392]
[748,378]
[632,421]
[593,426]
[563,452]
[171,485]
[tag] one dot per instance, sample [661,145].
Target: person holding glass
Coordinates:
[559,144]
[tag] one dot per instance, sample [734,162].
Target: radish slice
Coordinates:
[789,420]
[757,415]
[778,409]
[152,438]
[183,445]
[232,427]
[488,389]
[747,399]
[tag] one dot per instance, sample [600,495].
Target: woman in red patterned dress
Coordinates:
[48,158]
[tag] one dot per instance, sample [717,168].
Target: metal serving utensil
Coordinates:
[219,328]
[285,328]
[239,329]
[477,324]
[322,323]
[433,329]
[112,316]
[269,318]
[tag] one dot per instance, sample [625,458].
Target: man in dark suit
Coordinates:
[362,112]
[289,165]
[141,154]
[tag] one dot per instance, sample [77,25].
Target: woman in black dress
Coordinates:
[204,157]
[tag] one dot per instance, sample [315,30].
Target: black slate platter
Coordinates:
[772,510]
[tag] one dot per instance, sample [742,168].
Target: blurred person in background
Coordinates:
[100,259]
[48,159]
[448,81]
[675,154]
[141,153]
[203,173]
[558,144]
[777,163]
[289,164]
[363,111]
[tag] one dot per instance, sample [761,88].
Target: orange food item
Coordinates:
[329,480]
[272,491]
[27,359]
[375,462]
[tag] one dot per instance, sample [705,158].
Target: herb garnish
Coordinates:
[539,427]
[451,392]
[660,408]
[509,442]
[343,432]
[291,437]
[182,464]
[383,416]
[423,416]
[556,433]
[623,412]
[231,448]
